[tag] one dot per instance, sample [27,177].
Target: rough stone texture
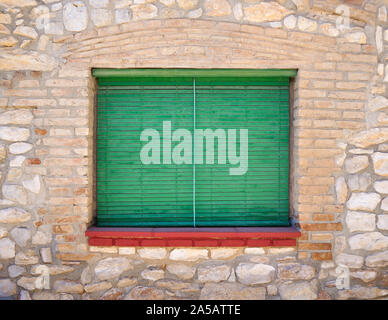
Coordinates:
[144,11]
[298,291]
[217,8]
[341,189]
[7,288]
[363,201]
[110,268]
[7,249]
[67,286]
[33,184]
[101,17]
[265,11]
[20,147]
[231,291]
[15,193]
[381,186]
[187,4]
[380,163]
[379,259]
[145,293]
[26,258]
[152,253]
[223,253]
[359,292]
[365,276]
[182,271]
[21,236]
[75,16]
[14,134]
[101,286]
[213,273]
[360,221]
[349,260]
[295,271]
[252,273]
[382,222]
[356,164]
[188,254]
[16,117]
[368,241]
[152,274]
[305,24]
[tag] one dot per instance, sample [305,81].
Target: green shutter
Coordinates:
[130,193]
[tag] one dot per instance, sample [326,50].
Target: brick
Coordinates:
[314,246]
[322,256]
[323,217]
[322,236]
[322,226]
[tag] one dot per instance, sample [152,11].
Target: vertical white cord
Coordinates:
[194,153]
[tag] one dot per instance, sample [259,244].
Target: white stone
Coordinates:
[7,288]
[33,184]
[26,258]
[360,221]
[7,249]
[377,260]
[127,251]
[341,190]
[75,16]
[378,103]
[24,295]
[56,6]
[359,182]
[53,269]
[27,283]
[368,241]
[41,238]
[16,117]
[295,271]
[111,268]
[223,253]
[382,14]
[381,186]
[238,11]
[20,147]
[101,17]
[195,14]
[152,253]
[188,254]
[14,134]
[122,15]
[231,291]
[14,193]
[290,22]
[86,276]
[329,30]
[356,37]
[144,11]
[182,271]
[152,274]
[3,232]
[356,164]
[21,235]
[380,163]
[15,271]
[307,25]
[213,273]
[349,260]
[276,251]
[99,3]
[46,255]
[361,151]
[384,204]
[382,222]
[14,215]
[252,273]
[17,161]
[265,12]
[53,28]
[364,275]
[298,291]
[254,251]
[363,201]
[27,32]
[379,39]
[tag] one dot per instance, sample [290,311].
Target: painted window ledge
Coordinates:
[193,237]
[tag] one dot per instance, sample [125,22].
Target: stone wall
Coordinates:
[339,158]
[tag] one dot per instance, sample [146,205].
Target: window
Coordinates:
[192,148]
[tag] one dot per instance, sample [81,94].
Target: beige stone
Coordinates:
[231,291]
[101,17]
[329,30]
[368,241]
[265,12]
[152,274]
[213,273]
[14,134]
[356,37]
[363,201]
[217,8]
[75,16]
[113,294]
[111,268]
[68,286]
[27,283]
[21,235]
[53,269]
[127,251]
[8,42]
[377,260]
[238,11]
[307,25]
[298,291]
[378,103]
[182,271]
[145,293]
[223,253]
[33,184]
[27,32]
[290,22]
[252,273]
[360,221]
[349,260]
[3,232]
[380,163]
[356,164]
[359,182]
[5,18]
[127,282]
[26,258]
[7,249]
[14,193]
[14,215]
[19,3]
[364,275]
[188,254]
[100,286]
[341,190]
[379,39]
[370,137]
[187,4]
[382,222]
[144,11]
[152,253]
[20,147]
[360,292]
[295,271]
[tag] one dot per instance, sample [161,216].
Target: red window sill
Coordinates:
[193,237]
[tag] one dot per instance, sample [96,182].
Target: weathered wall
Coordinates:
[340,154]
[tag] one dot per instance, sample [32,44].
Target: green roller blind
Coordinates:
[199,192]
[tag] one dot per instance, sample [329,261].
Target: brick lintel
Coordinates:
[193,237]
